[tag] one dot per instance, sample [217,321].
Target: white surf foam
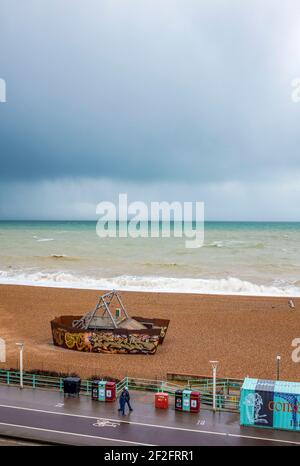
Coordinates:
[43,240]
[228,286]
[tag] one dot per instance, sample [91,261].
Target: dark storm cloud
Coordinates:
[152,90]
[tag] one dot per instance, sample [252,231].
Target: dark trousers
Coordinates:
[122,406]
[129,405]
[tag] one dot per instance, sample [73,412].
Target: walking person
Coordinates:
[127,398]
[122,403]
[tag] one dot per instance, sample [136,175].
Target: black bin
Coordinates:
[95,389]
[72,386]
[178,400]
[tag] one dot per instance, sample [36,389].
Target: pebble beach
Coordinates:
[244,333]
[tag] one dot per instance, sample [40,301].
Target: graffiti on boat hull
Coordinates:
[106,342]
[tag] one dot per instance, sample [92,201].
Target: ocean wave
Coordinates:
[64,257]
[234,244]
[215,244]
[160,264]
[43,240]
[228,286]
[60,256]
[55,256]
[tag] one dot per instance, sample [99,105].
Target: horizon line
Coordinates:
[149,220]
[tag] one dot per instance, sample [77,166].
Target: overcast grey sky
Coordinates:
[164,100]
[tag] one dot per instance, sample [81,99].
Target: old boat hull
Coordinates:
[118,341]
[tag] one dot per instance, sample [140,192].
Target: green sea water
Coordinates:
[236,257]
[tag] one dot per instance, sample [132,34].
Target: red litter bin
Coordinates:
[195,402]
[110,391]
[161,400]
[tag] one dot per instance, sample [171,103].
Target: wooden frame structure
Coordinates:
[109,329]
[89,320]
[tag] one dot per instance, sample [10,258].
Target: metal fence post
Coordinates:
[60,384]
[214,365]
[7,377]
[33,381]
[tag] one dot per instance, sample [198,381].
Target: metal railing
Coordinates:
[226,400]
[233,383]
[149,385]
[32,380]
[227,397]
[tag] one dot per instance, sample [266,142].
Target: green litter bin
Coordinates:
[186,396]
[101,390]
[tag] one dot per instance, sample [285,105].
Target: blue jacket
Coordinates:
[122,400]
[126,395]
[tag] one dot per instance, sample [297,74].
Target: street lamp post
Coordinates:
[278,358]
[214,365]
[20,345]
